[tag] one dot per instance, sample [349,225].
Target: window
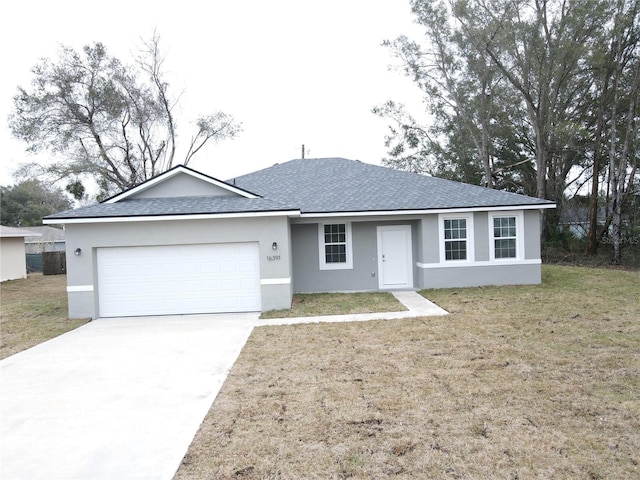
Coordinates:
[504,237]
[455,239]
[335,246]
[335,243]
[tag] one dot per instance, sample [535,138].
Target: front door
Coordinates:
[395,257]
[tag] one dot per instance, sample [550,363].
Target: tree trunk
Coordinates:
[592,245]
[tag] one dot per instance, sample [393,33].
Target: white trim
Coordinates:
[348,265]
[79,288]
[487,263]
[157,218]
[172,173]
[275,281]
[408,247]
[519,216]
[370,213]
[468,216]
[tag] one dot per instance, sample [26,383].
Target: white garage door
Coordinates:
[178,279]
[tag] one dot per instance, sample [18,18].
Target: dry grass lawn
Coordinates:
[306,305]
[33,310]
[517,383]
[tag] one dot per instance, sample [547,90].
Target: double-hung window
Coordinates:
[456,238]
[506,238]
[335,246]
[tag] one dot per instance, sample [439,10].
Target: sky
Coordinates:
[293,72]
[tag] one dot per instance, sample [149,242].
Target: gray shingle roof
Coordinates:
[45,234]
[10,232]
[323,185]
[341,185]
[174,206]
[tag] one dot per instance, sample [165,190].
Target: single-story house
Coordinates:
[184,242]
[45,239]
[13,262]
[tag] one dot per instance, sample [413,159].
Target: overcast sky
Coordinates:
[292,71]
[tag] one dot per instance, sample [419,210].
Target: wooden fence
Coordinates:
[54,263]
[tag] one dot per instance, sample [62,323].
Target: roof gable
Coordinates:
[181,181]
[338,185]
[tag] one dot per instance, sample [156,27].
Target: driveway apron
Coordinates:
[118,398]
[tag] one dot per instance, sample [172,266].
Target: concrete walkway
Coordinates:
[122,398]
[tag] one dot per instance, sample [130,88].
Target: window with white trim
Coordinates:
[456,238]
[335,246]
[506,238]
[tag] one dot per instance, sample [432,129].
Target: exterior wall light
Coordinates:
[77,252]
[274,245]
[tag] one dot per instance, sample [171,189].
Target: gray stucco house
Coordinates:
[184,242]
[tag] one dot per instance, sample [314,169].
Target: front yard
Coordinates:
[518,382]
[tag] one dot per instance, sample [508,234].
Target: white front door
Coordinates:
[395,257]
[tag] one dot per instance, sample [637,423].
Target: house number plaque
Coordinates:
[273,258]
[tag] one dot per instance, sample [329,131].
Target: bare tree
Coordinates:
[107,120]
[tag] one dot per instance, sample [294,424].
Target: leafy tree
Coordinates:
[508,85]
[479,131]
[76,189]
[616,67]
[463,93]
[540,46]
[110,121]
[24,204]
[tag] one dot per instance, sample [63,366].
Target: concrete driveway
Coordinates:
[116,398]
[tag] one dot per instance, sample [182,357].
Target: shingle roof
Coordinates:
[9,232]
[326,185]
[173,206]
[340,185]
[45,234]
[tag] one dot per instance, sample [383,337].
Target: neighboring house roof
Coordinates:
[12,232]
[306,186]
[331,185]
[44,234]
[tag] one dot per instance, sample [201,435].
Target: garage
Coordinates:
[178,279]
